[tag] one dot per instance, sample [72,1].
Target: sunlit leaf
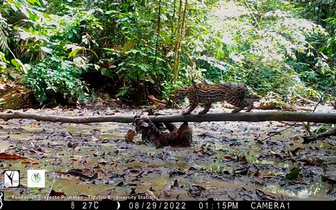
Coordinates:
[19,65]
[3,57]
[75,51]
[34,2]
[45,49]
[127,46]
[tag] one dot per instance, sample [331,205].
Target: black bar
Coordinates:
[59,205]
[162,205]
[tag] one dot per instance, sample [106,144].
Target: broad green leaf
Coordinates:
[143,67]
[34,2]
[150,79]
[325,145]
[106,72]
[293,174]
[2,55]
[74,52]
[19,65]
[97,67]
[127,46]
[32,15]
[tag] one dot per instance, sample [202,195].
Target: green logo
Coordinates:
[36,177]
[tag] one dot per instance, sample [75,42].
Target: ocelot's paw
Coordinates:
[234,111]
[249,108]
[185,113]
[200,113]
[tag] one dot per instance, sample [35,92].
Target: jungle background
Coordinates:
[66,57]
[68,52]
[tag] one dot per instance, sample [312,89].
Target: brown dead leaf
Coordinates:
[242,159]
[202,152]
[55,193]
[157,102]
[229,157]
[26,162]
[10,156]
[130,136]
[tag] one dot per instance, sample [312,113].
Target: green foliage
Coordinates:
[323,48]
[266,44]
[3,34]
[44,41]
[55,79]
[263,44]
[293,174]
[324,128]
[3,62]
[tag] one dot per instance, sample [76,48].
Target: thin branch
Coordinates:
[249,8]
[52,186]
[315,107]
[278,132]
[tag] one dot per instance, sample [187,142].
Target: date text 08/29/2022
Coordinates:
[205,205]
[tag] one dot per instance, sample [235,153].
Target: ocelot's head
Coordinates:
[180,94]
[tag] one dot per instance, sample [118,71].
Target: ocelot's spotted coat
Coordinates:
[233,93]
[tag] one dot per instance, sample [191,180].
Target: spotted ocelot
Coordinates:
[233,93]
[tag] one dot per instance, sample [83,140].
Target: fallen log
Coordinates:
[242,116]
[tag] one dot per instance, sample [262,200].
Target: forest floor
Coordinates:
[227,160]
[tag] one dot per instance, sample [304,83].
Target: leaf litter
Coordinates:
[227,160]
